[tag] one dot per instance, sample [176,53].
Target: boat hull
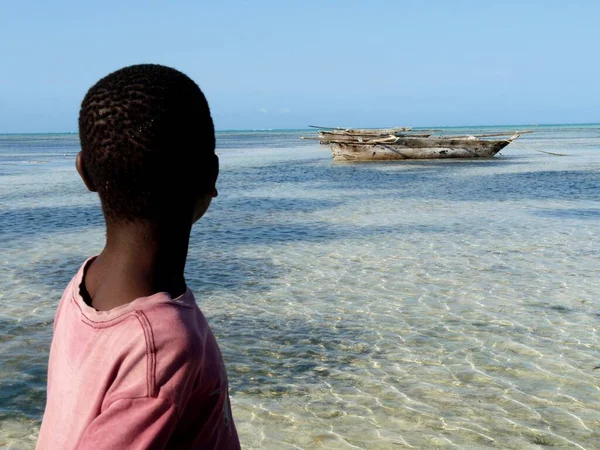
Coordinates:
[415,148]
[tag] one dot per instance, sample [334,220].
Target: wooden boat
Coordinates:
[350,135]
[399,144]
[419,148]
[326,137]
[363,131]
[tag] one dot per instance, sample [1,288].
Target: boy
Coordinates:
[133,362]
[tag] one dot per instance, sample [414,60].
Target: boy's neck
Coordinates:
[138,261]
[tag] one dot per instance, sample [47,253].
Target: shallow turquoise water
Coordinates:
[435,304]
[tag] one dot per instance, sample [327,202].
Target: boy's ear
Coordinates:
[83,173]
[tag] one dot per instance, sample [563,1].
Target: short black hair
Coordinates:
[147,141]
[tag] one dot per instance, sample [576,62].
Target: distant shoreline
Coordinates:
[267,130]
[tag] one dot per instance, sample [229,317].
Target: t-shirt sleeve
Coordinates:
[140,423]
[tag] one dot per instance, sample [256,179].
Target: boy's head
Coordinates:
[148,145]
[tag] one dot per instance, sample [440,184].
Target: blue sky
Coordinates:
[287,64]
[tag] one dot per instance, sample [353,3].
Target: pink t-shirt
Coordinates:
[146,375]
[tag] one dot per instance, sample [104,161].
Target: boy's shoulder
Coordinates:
[168,326]
[164,337]
[181,348]
[160,345]
[175,325]
[150,346]
[173,329]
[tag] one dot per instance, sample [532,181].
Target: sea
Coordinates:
[414,304]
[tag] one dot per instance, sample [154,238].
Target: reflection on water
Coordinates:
[427,304]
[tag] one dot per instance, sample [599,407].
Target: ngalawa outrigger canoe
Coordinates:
[419,148]
[399,143]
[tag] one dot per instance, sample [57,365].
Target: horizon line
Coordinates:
[308,128]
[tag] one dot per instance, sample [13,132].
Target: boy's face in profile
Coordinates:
[208,192]
[201,206]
